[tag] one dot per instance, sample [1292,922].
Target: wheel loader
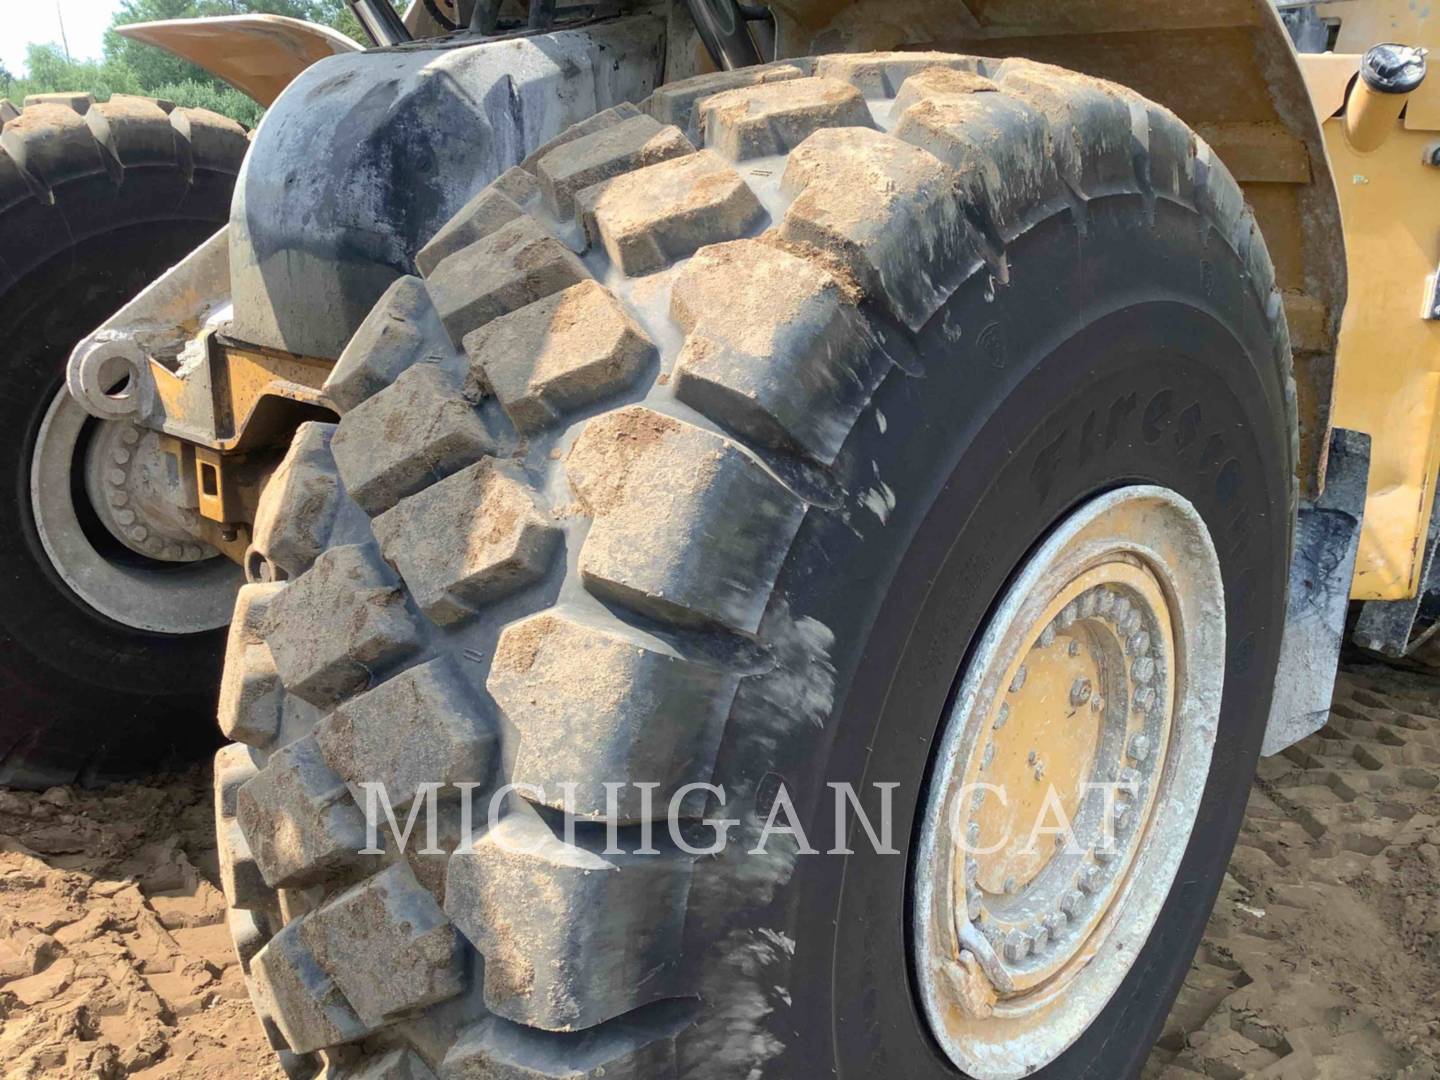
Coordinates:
[844,431]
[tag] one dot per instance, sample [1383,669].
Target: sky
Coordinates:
[36,21]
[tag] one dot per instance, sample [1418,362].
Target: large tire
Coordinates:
[96,201]
[743,502]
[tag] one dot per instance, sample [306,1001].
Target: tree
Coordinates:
[133,67]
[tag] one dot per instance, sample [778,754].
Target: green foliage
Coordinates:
[132,67]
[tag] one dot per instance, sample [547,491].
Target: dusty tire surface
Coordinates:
[698,453]
[96,201]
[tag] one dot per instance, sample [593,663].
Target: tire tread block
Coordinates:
[775,117]
[558,355]
[299,819]
[342,620]
[685,526]
[652,217]
[774,348]
[886,212]
[303,1002]
[515,265]
[467,541]
[599,968]
[252,698]
[388,947]
[595,704]
[401,329]
[426,709]
[418,430]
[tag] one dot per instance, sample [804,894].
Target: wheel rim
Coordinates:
[169,588]
[1070,772]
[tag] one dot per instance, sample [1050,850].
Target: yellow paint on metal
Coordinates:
[259,55]
[1388,375]
[1045,734]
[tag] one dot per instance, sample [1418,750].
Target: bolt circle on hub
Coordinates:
[1069,774]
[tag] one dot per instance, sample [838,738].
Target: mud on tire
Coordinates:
[690,377]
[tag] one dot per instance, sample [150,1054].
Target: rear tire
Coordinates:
[738,514]
[96,201]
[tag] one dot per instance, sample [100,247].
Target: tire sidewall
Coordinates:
[1133,351]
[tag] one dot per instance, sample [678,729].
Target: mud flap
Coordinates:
[1327,537]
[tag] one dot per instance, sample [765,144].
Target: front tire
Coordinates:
[746,509]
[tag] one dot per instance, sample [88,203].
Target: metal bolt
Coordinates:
[1080,692]
[1053,924]
[1105,602]
[1138,644]
[117,498]
[1074,648]
[1070,903]
[1086,881]
[1002,717]
[1097,703]
[119,455]
[115,476]
[972,906]
[1068,614]
[1122,811]
[229,533]
[988,756]
[1104,856]
[1089,602]
[972,833]
[193,551]
[1018,682]
[1143,670]
[1011,886]
[1144,698]
[125,517]
[1121,611]
[129,436]
[1047,637]
[972,872]
[1140,747]
[1016,945]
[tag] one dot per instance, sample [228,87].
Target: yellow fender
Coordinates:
[259,55]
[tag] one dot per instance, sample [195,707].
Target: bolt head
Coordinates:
[1080,692]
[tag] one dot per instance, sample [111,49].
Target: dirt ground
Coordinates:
[1322,958]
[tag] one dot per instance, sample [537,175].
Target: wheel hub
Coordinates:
[1069,776]
[135,497]
[142,569]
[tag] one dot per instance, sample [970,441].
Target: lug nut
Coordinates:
[1080,692]
[1140,747]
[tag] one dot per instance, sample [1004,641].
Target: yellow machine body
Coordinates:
[1387,380]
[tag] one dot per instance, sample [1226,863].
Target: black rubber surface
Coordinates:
[1108,364]
[85,698]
